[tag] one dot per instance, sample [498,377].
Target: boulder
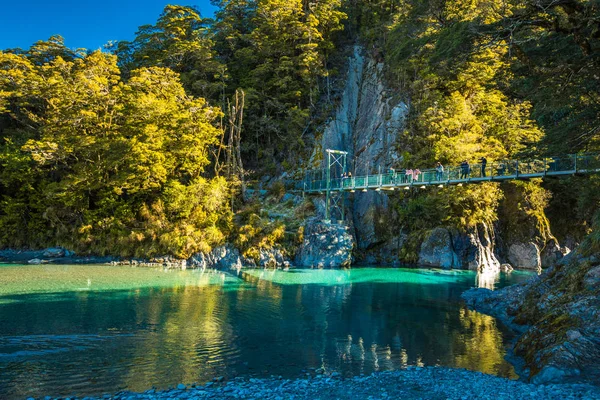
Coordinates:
[506,268]
[591,279]
[34,261]
[325,246]
[271,258]
[297,200]
[54,252]
[222,257]
[525,255]
[437,250]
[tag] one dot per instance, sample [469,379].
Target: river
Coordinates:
[93,329]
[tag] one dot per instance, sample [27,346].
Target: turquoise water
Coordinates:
[83,330]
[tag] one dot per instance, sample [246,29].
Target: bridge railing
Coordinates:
[505,169]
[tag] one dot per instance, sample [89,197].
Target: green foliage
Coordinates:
[104,166]
[591,245]
[182,41]
[263,224]
[454,207]
[522,212]
[277,190]
[256,233]
[277,51]
[492,79]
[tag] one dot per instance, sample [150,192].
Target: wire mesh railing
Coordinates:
[496,170]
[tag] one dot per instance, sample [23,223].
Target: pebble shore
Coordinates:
[411,383]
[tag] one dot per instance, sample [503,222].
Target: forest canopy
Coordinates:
[122,151]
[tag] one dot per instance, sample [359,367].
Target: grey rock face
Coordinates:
[449,248]
[551,254]
[366,125]
[370,216]
[481,255]
[437,250]
[325,246]
[223,257]
[271,258]
[525,255]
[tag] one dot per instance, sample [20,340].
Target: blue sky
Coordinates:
[83,23]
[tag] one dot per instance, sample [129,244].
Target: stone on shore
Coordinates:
[436,383]
[558,315]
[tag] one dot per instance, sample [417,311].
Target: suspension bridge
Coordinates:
[334,181]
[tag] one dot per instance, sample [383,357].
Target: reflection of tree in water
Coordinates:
[194,339]
[391,326]
[481,347]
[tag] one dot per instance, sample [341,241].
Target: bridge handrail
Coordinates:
[570,163]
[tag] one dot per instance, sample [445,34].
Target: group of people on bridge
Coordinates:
[412,175]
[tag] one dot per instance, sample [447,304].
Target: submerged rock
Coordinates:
[55,252]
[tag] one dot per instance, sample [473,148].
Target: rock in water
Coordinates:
[437,251]
[525,255]
[325,246]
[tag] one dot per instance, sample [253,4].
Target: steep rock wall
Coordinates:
[366,124]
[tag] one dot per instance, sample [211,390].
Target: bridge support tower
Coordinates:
[335,195]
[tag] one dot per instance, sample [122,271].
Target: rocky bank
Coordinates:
[558,315]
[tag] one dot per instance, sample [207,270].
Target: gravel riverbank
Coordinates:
[412,383]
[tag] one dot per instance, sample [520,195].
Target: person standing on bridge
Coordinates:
[439,171]
[465,169]
[416,174]
[483,162]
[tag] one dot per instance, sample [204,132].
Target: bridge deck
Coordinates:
[494,172]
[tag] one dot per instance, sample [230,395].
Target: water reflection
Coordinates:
[487,279]
[189,327]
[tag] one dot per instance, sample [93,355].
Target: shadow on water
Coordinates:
[92,342]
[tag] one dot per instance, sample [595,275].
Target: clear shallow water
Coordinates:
[82,330]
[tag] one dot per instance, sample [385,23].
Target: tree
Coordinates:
[107,166]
